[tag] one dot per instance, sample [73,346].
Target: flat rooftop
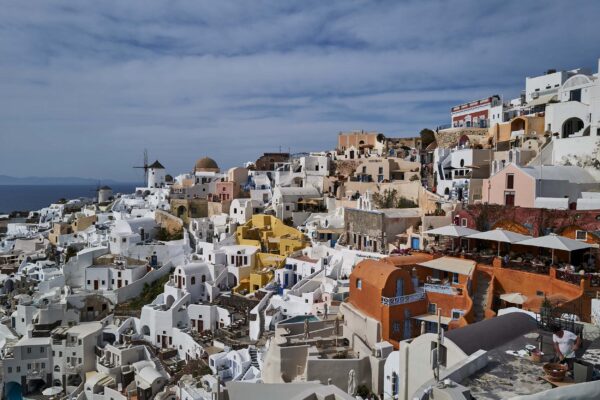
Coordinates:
[508,375]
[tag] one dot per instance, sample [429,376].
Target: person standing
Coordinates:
[566,343]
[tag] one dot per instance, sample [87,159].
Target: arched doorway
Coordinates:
[13,391]
[181,211]
[571,126]
[169,301]
[518,124]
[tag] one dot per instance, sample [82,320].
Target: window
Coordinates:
[581,235]
[432,308]
[510,181]
[396,326]
[42,349]
[359,283]
[575,95]
[456,314]
[29,350]
[193,280]
[9,370]
[463,222]
[381,170]
[18,368]
[509,198]
[454,278]
[89,282]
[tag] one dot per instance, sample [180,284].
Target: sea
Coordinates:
[35,197]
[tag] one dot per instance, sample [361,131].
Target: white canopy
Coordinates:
[513,298]
[500,235]
[452,230]
[451,264]
[556,242]
[52,391]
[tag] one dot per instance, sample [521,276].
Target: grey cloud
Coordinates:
[95,83]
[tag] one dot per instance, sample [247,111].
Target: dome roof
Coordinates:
[206,164]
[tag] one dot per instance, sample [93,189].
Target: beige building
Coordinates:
[387,170]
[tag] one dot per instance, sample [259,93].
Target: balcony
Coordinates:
[73,369]
[36,373]
[443,289]
[406,299]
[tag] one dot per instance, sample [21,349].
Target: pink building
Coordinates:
[227,190]
[522,186]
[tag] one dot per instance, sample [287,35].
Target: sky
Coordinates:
[86,86]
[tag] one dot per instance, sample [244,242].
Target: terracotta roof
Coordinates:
[376,272]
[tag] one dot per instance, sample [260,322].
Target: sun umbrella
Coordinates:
[556,242]
[500,236]
[513,298]
[52,391]
[452,231]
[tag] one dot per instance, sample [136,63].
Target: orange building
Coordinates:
[403,292]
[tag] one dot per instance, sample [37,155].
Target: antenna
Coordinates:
[145,167]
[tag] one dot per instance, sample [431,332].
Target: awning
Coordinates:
[451,264]
[500,235]
[433,318]
[452,230]
[547,98]
[556,242]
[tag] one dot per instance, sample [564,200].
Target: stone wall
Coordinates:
[168,221]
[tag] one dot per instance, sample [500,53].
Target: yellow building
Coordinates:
[525,125]
[275,242]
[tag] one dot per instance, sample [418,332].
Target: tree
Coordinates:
[71,252]
[427,137]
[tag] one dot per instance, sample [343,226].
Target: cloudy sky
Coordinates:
[86,86]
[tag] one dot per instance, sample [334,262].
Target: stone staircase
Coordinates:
[254,357]
[480,296]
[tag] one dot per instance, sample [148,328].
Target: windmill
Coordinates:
[145,167]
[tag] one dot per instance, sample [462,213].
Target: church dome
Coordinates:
[206,164]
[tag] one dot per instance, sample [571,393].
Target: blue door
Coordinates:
[399,287]
[415,243]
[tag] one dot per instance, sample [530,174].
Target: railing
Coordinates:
[443,289]
[36,373]
[569,277]
[409,298]
[73,369]
[575,278]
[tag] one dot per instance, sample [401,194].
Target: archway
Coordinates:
[571,126]
[181,211]
[145,330]
[169,301]
[518,124]
[13,391]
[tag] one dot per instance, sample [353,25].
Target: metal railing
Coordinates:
[443,289]
[409,298]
